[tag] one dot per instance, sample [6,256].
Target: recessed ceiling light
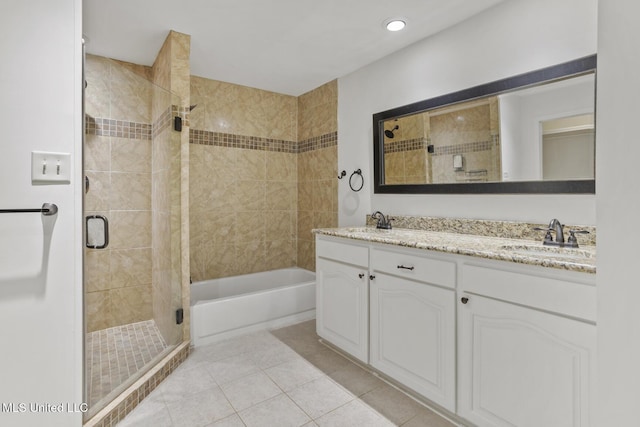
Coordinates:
[394,24]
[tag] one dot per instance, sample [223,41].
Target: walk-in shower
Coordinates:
[132,285]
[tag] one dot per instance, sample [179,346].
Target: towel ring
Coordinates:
[356,172]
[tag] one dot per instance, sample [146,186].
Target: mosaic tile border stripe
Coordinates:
[219,139]
[421,144]
[111,417]
[406,145]
[479,227]
[134,130]
[317,142]
[118,128]
[468,147]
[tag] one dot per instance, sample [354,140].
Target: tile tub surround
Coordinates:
[471,245]
[283,377]
[263,174]
[317,167]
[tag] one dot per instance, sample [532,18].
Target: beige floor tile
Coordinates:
[353,414]
[250,390]
[290,375]
[232,421]
[155,414]
[320,396]
[428,418]
[232,368]
[200,409]
[356,380]
[392,404]
[321,388]
[273,355]
[187,382]
[279,411]
[328,361]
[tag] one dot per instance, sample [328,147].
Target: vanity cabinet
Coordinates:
[342,296]
[497,343]
[526,349]
[412,320]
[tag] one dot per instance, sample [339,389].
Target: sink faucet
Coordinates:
[556,226]
[383,221]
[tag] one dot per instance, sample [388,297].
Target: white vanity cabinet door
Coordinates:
[523,367]
[342,301]
[413,336]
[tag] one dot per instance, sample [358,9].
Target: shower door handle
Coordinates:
[97,232]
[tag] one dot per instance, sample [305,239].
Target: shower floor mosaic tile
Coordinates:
[280,378]
[116,354]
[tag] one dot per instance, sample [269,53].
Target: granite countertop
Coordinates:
[521,251]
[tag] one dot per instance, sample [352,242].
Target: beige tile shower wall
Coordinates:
[243,201]
[471,132]
[407,165]
[318,111]
[240,110]
[317,168]
[118,279]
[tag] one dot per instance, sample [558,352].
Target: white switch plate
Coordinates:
[50,168]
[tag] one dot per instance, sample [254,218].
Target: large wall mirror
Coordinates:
[531,133]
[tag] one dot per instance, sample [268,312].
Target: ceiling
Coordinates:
[284,46]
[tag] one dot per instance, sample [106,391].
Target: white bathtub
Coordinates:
[223,308]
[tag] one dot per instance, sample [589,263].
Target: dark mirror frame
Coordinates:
[545,75]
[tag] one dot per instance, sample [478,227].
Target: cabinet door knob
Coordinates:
[464,300]
[361,275]
[371,277]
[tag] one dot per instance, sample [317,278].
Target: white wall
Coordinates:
[40,317]
[513,37]
[618,208]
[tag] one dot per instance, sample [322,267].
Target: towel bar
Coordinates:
[46,209]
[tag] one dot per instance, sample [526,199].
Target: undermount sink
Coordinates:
[550,251]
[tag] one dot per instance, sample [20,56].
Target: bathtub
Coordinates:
[223,308]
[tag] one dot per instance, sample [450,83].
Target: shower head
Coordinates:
[191,107]
[389,133]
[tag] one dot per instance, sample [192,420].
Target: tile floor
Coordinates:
[116,354]
[280,378]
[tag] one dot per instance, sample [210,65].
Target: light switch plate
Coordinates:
[50,168]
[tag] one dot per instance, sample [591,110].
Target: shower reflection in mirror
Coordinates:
[539,133]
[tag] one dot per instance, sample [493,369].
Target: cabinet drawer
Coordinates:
[569,297]
[416,267]
[349,253]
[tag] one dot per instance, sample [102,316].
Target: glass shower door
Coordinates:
[133,277]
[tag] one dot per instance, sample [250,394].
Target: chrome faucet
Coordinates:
[383,221]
